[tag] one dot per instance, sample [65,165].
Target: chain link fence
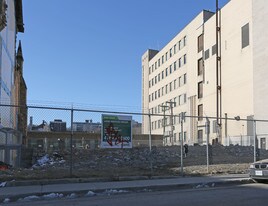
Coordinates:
[71,142]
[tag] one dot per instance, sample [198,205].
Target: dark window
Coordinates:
[184,40]
[200,66]
[200,90]
[207,54]
[179,62]
[184,59]
[175,66]
[214,49]
[200,136]
[185,78]
[200,43]
[245,35]
[200,112]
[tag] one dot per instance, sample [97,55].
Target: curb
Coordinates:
[128,189]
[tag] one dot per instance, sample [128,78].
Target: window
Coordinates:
[149,98]
[162,91]
[170,52]
[170,69]
[175,66]
[207,54]
[166,89]
[200,136]
[180,83]
[158,62]
[155,65]
[214,49]
[166,72]
[175,84]
[185,78]
[163,59]
[159,77]
[163,74]
[180,45]
[152,67]
[184,136]
[245,35]
[200,66]
[175,48]
[184,59]
[170,86]
[200,90]
[200,43]
[184,40]
[200,112]
[155,94]
[184,98]
[158,93]
[166,56]
[149,70]
[149,84]
[152,96]
[155,79]
[152,81]
[179,62]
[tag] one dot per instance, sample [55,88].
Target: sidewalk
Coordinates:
[134,185]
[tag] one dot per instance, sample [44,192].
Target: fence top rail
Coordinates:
[131,113]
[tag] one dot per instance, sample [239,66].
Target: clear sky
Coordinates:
[88,52]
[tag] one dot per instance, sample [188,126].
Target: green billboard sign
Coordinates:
[116,131]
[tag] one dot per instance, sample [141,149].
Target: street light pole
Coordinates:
[164,107]
[171,121]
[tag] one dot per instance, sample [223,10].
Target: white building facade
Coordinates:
[11,23]
[195,76]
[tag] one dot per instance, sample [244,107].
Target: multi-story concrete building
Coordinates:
[12,87]
[198,77]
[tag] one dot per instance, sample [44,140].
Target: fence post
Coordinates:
[254,140]
[150,145]
[71,143]
[208,131]
[182,119]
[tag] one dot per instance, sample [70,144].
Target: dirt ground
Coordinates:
[113,164]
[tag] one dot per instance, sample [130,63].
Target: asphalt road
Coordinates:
[243,195]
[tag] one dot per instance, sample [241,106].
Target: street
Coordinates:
[242,195]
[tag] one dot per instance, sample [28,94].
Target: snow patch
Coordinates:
[3,184]
[90,194]
[53,195]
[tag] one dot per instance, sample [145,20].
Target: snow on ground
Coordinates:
[90,194]
[49,160]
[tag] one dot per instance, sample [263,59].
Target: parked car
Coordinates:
[258,171]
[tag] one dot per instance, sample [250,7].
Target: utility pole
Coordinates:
[218,72]
[164,108]
[171,121]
